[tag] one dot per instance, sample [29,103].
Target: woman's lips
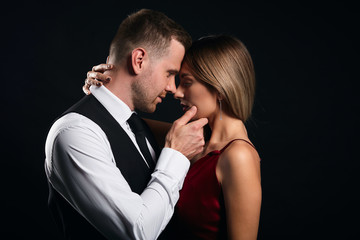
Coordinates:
[185,107]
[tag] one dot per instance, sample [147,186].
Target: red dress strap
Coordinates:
[223,149]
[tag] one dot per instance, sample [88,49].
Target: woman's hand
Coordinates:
[96,77]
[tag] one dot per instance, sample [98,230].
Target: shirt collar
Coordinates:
[115,106]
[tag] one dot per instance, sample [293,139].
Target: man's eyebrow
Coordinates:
[173,71]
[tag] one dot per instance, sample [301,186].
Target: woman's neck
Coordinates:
[224,130]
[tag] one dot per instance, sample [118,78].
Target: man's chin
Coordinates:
[148,109]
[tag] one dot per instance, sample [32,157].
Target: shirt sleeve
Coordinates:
[81,167]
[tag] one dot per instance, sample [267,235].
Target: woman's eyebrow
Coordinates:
[184,75]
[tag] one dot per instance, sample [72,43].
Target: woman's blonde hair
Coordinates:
[224,64]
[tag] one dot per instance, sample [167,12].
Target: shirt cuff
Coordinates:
[173,162]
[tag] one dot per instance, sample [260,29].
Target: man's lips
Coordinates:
[161,98]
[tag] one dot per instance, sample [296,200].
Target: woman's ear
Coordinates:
[138,57]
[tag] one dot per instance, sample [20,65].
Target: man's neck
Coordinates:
[120,85]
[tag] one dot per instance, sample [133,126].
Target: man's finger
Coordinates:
[199,123]
[189,114]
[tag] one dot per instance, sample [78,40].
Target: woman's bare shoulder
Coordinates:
[241,152]
[239,158]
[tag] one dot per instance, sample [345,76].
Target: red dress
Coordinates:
[200,211]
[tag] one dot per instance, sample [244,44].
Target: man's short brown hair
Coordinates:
[149,29]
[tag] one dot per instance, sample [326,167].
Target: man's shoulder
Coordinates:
[72,123]
[72,134]
[71,119]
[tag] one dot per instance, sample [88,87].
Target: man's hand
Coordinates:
[187,138]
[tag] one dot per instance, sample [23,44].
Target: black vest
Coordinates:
[131,164]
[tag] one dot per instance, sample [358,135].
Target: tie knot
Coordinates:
[135,123]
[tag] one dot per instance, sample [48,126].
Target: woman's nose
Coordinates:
[179,93]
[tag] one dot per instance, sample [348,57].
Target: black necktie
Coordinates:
[138,128]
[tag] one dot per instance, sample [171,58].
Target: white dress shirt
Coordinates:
[81,167]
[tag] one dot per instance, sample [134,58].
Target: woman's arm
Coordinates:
[238,171]
[159,129]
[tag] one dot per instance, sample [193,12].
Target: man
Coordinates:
[102,183]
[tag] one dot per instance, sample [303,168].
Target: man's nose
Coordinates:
[171,87]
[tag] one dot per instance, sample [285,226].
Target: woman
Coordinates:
[221,195]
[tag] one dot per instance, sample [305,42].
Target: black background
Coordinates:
[303,122]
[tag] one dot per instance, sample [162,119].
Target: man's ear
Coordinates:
[138,58]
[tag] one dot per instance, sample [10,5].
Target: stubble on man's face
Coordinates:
[142,93]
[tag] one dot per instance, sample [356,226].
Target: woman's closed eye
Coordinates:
[186,83]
